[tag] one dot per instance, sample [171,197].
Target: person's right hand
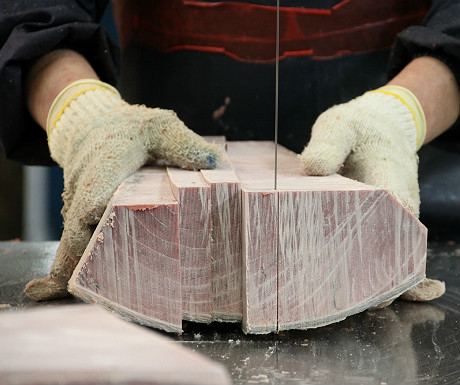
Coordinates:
[99,140]
[374,139]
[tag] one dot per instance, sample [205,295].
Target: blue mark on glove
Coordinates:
[211,159]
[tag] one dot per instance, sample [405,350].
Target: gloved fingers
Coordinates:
[426,290]
[45,289]
[321,158]
[67,257]
[173,141]
[331,142]
[381,170]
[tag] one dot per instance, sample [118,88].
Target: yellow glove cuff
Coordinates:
[412,103]
[68,94]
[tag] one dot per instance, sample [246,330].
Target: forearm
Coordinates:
[435,87]
[49,76]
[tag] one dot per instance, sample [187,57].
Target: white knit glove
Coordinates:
[374,139]
[99,140]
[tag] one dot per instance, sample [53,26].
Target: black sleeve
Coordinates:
[28,30]
[438,36]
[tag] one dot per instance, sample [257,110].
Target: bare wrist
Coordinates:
[49,76]
[435,87]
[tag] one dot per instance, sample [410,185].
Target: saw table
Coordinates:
[406,343]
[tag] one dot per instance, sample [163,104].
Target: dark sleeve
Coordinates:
[28,30]
[438,36]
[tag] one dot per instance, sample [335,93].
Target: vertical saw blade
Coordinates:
[277,65]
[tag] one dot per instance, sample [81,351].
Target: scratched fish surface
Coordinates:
[405,343]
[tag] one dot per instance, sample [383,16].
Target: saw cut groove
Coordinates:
[226,245]
[194,197]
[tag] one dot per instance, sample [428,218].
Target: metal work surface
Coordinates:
[406,343]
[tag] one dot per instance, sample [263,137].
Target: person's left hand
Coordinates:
[99,140]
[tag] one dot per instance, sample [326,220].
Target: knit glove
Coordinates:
[99,140]
[374,139]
